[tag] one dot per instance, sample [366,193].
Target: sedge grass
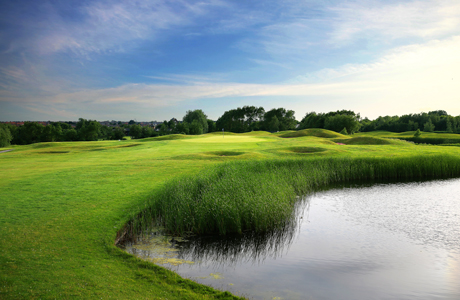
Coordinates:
[260,195]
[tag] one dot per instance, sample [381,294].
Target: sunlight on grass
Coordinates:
[62,204]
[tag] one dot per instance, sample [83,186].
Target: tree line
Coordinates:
[239,120]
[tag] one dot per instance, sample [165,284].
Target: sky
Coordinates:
[154,60]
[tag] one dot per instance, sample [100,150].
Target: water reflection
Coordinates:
[380,241]
[228,250]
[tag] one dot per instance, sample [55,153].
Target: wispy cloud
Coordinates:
[106,26]
[299,32]
[409,78]
[382,21]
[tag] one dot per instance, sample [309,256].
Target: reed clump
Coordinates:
[260,195]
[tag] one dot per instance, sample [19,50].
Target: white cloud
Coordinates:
[405,80]
[377,20]
[380,23]
[110,25]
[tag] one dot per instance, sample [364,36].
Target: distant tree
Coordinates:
[338,122]
[198,116]
[131,122]
[146,131]
[455,125]
[106,133]
[164,130]
[135,131]
[196,128]
[118,133]
[449,126]
[242,119]
[211,125]
[274,124]
[417,133]
[5,136]
[429,126]
[70,135]
[285,118]
[29,133]
[344,131]
[183,128]
[88,130]
[312,120]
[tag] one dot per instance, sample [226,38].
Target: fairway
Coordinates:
[62,204]
[230,139]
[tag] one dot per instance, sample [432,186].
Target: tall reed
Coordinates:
[260,195]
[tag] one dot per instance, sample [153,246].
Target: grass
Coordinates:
[367,140]
[322,133]
[425,138]
[60,211]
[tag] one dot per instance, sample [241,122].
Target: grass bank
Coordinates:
[260,195]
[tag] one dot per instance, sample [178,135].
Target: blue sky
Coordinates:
[154,60]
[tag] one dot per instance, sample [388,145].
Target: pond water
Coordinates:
[366,241]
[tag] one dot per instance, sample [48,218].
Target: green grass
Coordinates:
[367,140]
[322,133]
[425,138]
[62,204]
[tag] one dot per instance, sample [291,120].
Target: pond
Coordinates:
[361,241]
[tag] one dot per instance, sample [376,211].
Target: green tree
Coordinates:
[417,133]
[241,119]
[211,126]
[285,118]
[449,126]
[70,135]
[196,128]
[118,133]
[146,131]
[135,131]
[274,124]
[29,133]
[344,131]
[5,136]
[429,126]
[52,133]
[183,128]
[198,116]
[88,130]
[338,122]
[164,130]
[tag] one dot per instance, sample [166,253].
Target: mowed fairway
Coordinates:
[62,204]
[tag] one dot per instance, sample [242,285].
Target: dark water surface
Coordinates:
[380,241]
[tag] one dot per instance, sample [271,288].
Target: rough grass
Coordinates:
[426,137]
[322,133]
[259,195]
[367,140]
[60,213]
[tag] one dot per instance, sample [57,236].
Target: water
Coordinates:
[381,241]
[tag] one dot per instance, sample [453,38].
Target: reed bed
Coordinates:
[260,195]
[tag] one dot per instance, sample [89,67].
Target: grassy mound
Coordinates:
[257,133]
[220,133]
[323,133]
[166,138]
[304,150]
[367,140]
[225,153]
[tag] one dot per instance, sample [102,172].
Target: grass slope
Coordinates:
[322,133]
[62,204]
[367,140]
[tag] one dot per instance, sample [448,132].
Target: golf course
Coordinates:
[63,205]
